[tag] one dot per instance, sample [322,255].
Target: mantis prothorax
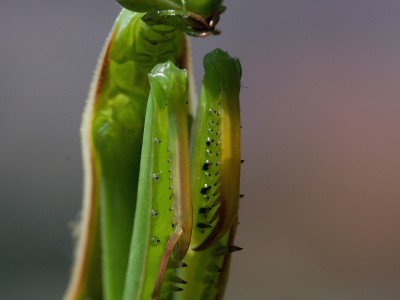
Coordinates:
[137,219]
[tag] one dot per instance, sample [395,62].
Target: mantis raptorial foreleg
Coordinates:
[164,185]
[215,174]
[163,221]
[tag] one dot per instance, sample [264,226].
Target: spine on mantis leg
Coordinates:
[163,219]
[215,175]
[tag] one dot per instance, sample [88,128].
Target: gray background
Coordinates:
[320,111]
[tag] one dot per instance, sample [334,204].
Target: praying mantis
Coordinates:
[159,220]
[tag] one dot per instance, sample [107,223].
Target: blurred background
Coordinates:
[320,112]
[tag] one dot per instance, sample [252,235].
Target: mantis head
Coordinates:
[194,17]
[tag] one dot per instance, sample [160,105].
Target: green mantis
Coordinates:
[150,213]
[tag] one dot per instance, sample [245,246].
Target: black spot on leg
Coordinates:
[207,165]
[203,225]
[204,190]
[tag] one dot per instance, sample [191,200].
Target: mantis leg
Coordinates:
[215,173]
[163,219]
